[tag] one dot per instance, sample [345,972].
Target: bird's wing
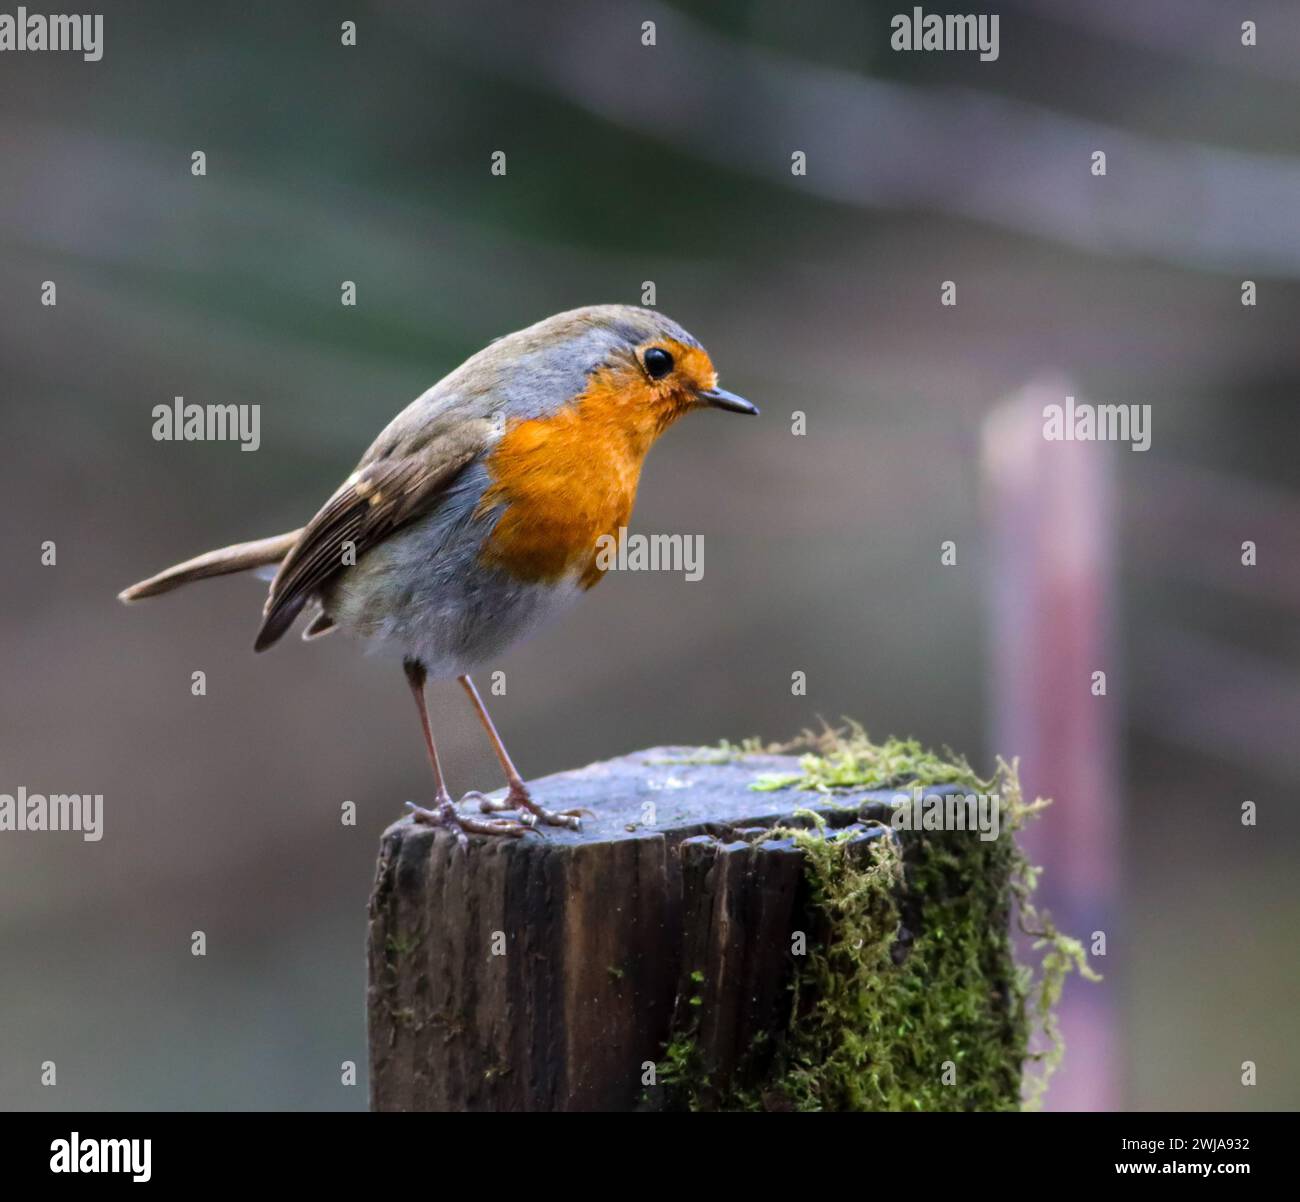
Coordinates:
[399,478]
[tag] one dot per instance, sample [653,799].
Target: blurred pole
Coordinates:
[1050,509]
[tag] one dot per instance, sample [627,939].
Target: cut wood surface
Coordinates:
[548,973]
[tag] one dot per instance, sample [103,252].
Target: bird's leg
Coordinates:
[443,812]
[517,795]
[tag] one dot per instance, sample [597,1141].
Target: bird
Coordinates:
[476,515]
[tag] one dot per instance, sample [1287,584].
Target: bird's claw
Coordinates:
[531,813]
[445,816]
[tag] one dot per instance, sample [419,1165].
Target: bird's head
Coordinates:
[619,366]
[656,369]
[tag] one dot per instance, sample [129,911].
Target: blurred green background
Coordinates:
[820,293]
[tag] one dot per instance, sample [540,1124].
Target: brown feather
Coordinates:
[238,558]
[390,487]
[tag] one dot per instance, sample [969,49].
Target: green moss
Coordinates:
[724,753]
[401,946]
[848,759]
[910,997]
[682,1072]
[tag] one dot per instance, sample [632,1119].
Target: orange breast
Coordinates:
[564,481]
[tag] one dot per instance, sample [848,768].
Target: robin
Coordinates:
[476,514]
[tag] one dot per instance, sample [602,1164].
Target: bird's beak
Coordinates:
[720,398]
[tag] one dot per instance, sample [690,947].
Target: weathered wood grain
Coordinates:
[546,973]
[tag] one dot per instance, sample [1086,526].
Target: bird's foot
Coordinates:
[444,815]
[518,798]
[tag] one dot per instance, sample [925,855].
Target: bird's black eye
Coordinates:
[658,362]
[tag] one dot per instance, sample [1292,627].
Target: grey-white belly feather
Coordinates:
[424,592]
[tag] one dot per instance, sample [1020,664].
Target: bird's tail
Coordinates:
[239,558]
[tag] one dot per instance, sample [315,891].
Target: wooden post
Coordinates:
[550,973]
[1051,508]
